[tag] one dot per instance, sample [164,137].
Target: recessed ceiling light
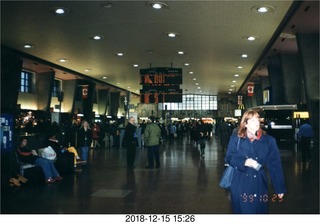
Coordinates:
[194,79]
[239,66]
[181,52]
[87,70]
[236,75]
[232,86]
[63,60]
[135,65]
[199,87]
[107,5]
[234,81]
[244,55]
[229,93]
[191,73]
[59,10]
[187,64]
[263,9]
[196,83]
[120,54]
[158,5]
[104,77]
[129,87]
[28,46]
[172,34]
[96,37]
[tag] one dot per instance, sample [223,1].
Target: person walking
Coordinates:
[251,151]
[84,139]
[201,133]
[152,138]
[129,141]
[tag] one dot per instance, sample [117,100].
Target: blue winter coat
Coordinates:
[249,188]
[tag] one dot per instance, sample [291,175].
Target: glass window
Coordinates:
[26,84]
[194,102]
[56,88]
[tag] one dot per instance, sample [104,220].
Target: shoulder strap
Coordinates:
[238,144]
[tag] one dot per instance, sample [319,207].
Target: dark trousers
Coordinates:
[131,154]
[153,154]
[304,145]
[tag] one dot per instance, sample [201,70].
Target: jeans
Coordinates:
[84,152]
[47,166]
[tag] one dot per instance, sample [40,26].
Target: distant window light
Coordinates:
[56,88]
[26,83]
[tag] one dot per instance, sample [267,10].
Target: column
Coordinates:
[44,86]
[276,81]
[11,66]
[308,45]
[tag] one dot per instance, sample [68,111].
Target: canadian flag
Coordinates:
[250,88]
[85,92]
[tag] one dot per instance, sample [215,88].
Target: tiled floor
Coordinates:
[185,184]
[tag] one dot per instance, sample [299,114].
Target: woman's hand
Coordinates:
[251,163]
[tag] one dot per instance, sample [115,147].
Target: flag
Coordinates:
[84,91]
[250,88]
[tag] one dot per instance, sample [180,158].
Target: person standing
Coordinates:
[95,135]
[129,141]
[305,134]
[152,138]
[84,140]
[251,151]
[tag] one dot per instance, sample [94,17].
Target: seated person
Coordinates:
[30,156]
[61,150]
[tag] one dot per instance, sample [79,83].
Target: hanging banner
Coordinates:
[250,88]
[84,91]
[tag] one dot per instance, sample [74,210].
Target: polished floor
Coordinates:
[186,183]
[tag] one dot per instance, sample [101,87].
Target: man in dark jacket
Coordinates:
[129,142]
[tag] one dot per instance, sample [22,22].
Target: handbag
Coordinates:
[227,177]
[49,153]
[228,174]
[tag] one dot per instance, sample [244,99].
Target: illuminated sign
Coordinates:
[160,76]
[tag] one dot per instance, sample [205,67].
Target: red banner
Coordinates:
[250,88]
[85,92]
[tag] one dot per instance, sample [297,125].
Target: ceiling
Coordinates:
[211,33]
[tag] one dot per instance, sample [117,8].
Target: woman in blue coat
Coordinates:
[252,153]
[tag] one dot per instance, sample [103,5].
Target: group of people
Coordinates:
[63,157]
[152,140]
[250,151]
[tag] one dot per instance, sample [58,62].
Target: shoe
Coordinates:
[77,170]
[57,178]
[14,182]
[79,161]
[50,181]
[22,179]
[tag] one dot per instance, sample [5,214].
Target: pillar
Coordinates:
[308,45]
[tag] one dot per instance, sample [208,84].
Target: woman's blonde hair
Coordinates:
[242,131]
[83,123]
